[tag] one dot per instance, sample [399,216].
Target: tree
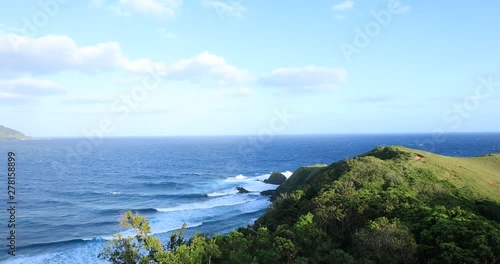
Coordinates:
[131,250]
[385,241]
[143,248]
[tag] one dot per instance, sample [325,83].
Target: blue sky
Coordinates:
[230,67]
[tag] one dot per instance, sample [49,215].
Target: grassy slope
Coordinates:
[481,175]
[8,133]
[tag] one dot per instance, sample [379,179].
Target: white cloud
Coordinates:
[118,11]
[149,110]
[104,111]
[27,90]
[4,95]
[7,98]
[208,69]
[156,8]
[29,86]
[96,3]
[153,7]
[343,6]
[377,98]
[81,111]
[205,69]
[87,100]
[226,8]
[243,92]
[12,96]
[55,53]
[308,78]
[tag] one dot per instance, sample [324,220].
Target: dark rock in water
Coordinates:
[242,190]
[276,178]
[268,192]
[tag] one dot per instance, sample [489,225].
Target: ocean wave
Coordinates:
[160,195]
[152,195]
[144,210]
[170,184]
[257,176]
[192,174]
[83,225]
[68,242]
[218,202]
[117,211]
[254,184]
[157,227]
[216,198]
[174,196]
[223,193]
[236,178]
[83,250]
[103,238]
[172,227]
[69,251]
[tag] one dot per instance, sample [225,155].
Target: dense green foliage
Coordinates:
[8,133]
[391,205]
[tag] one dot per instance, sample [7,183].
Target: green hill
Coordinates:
[11,134]
[390,205]
[479,175]
[446,209]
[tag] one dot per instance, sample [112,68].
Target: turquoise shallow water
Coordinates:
[70,193]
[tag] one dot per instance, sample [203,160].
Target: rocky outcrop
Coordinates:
[302,176]
[242,190]
[268,192]
[276,178]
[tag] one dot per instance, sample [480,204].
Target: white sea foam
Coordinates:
[223,193]
[165,227]
[167,219]
[253,184]
[85,253]
[213,203]
[87,250]
[287,174]
[236,178]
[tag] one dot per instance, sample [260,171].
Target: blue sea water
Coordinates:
[70,192]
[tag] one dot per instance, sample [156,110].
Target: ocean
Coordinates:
[70,192]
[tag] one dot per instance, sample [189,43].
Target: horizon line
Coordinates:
[277,135]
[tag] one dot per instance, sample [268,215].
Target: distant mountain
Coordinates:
[11,134]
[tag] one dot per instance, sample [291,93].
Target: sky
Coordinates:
[236,67]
